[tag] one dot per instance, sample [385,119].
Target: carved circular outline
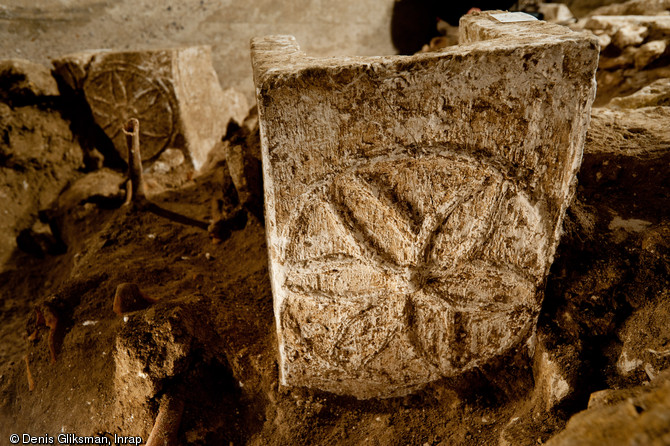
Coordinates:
[122,109]
[448,359]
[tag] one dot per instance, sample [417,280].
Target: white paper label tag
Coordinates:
[507,17]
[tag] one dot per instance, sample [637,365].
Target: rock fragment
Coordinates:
[635,7]
[168,160]
[555,375]
[637,416]
[649,52]
[656,25]
[556,13]
[637,56]
[414,204]
[25,81]
[625,59]
[604,40]
[175,94]
[629,35]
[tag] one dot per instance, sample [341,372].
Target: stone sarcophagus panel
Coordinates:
[174,92]
[414,203]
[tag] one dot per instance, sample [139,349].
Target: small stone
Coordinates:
[633,416]
[655,94]
[555,373]
[649,52]
[556,13]
[168,160]
[24,80]
[628,225]
[607,397]
[174,93]
[629,35]
[604,40]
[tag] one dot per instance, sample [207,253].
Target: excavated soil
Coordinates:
[210,337]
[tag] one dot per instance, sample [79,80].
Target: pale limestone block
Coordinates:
[629,35]
[604,39]
[655,94]
[632,416]
[556,13]
[649,52]
[414,203]
[657,26]
[635,7]
[174,92]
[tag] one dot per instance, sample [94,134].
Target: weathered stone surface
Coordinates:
[653,95]
[639,416]
[655,24]
[556,12]
[637,56]
[168,160]
[175,94]
[22,79]
[637,7]
[604,39]
[649,52]
[413,204]
[629,35]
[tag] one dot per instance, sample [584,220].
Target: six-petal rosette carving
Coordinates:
[404,251]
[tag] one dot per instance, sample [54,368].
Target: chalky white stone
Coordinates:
[414,203]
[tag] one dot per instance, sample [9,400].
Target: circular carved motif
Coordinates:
[118,92]
[396,249]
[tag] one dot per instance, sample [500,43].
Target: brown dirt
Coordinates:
[210,338]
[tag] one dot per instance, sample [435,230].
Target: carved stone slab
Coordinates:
[414,203]
[175,94]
